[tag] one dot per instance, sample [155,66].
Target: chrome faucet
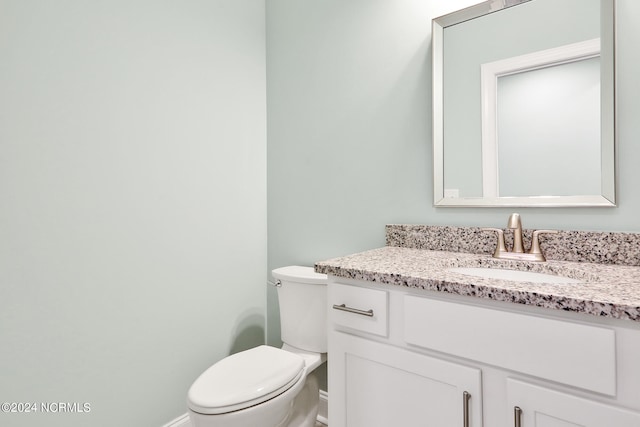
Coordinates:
[517,251]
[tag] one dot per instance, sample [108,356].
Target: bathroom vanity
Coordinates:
[414,342]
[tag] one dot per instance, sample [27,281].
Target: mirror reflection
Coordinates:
[523,104]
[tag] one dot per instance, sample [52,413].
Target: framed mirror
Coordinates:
[524,104]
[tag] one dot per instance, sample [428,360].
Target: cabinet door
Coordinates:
[377,385]
[541,407]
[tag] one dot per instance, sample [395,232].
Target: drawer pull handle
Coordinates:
[517,416]
[343,307]
[465,408]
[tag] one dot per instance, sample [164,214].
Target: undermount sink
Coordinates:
[513,275]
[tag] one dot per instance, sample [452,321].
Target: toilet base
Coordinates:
[305,406]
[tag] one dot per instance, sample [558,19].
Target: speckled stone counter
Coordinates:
[604,290]
[579,246]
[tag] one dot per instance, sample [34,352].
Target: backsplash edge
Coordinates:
[613,248]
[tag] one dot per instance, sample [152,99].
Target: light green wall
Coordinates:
[349,130]
[133,217]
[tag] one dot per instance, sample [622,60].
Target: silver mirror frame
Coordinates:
[608,124]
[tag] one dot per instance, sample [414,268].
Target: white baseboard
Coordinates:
[183,420]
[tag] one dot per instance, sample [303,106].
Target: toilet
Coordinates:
[268,386]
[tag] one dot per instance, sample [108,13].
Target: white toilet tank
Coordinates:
[302,294]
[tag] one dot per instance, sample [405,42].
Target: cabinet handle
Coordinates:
[517,416]
[466,396]
[343,307]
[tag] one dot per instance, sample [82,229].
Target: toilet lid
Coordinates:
[245,379]
[296,273]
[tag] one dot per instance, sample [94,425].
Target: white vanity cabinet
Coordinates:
[376,384]
[382,385]
[403,357]
[536,406]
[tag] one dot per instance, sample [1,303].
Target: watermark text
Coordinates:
[46,407]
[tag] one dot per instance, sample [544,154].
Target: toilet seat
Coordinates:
[245,379]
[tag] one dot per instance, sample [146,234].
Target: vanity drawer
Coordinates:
[575,354]
[358,308]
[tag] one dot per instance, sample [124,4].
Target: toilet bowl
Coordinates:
[268,386]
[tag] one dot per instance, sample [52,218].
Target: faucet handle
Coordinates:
[535,243]
[500,247]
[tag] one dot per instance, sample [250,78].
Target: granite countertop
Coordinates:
[605,290]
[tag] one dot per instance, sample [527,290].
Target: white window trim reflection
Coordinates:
[490,72]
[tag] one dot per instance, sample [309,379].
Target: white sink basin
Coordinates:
[513,275]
